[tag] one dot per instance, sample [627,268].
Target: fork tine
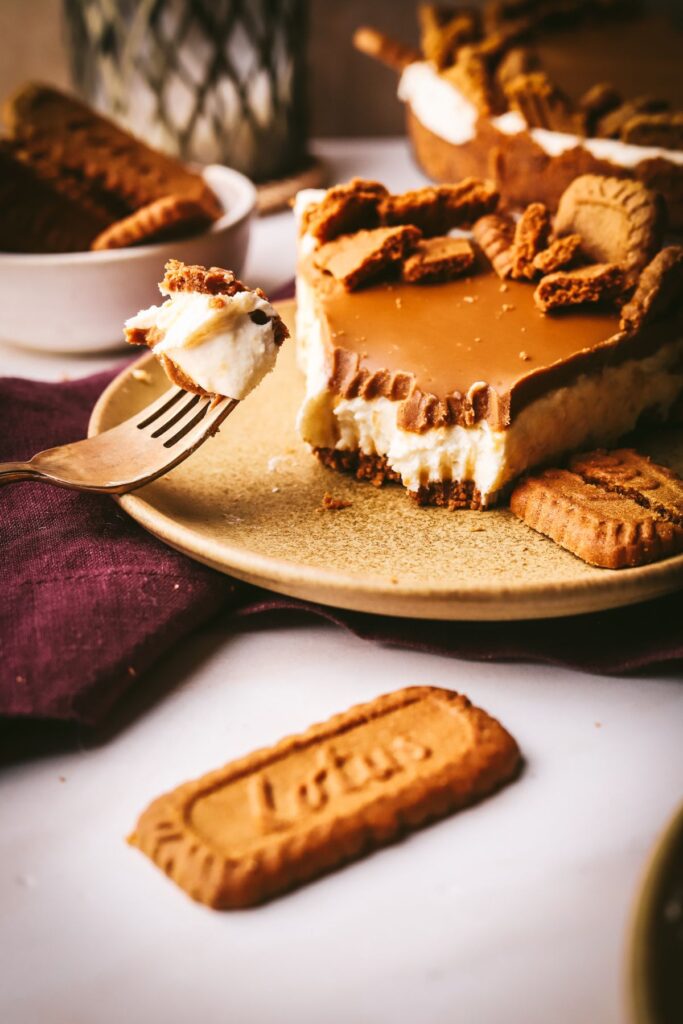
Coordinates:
[185,408]
[207,426]
[158,408]
[187,427]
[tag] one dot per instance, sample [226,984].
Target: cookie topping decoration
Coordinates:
[442,33]
[600,282]
[620,221]
[438,259]
[495,235]
[540,102]
[437,209]
[659,286]
[559,255]
[357,259]
[381,47]
[664,130]
[531,238]
[343,209]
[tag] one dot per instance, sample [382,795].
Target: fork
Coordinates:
[136,452]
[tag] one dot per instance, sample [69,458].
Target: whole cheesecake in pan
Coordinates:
[533,94]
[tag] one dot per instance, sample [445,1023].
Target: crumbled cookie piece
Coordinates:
[659,286]
[442,33]
[664,130]
[620,221]
[331,504]
[559,255]
[436,209]
[628,473]
[344,209]
[495,235]
[540,102]
[169,217]
[600,282]
[356,259]
[187,277]
[438,259]
[531,237]
[599,526]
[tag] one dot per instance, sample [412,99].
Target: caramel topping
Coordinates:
[458,345]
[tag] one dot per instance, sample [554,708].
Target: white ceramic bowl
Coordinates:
[77,301]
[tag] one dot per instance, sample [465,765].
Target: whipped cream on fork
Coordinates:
[226,344]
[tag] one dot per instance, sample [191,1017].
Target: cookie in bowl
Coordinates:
[82,200]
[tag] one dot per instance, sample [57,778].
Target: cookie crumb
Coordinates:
[331,504]
[143,376]
[524,356]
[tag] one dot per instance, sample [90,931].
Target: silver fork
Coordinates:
[139,450]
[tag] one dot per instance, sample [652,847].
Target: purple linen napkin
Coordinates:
[89,600]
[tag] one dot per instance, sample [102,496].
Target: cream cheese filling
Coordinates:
[218,346]
[446,112]
[597,409]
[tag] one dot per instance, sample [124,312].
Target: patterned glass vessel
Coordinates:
[209,80]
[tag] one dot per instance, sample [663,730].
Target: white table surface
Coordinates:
[516,910]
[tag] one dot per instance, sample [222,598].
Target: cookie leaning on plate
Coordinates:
[613,509]
[284,815]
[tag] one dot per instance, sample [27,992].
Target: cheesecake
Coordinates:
[450,348]
[535,94]
[212,335]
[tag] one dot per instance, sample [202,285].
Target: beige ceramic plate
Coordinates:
[248,504]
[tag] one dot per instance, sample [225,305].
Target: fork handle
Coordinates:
[11,471]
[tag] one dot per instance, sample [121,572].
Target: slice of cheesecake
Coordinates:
[212,335]
[457,380]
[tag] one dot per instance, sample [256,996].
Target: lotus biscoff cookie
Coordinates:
[612,509]
[281,816]
[40,119]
